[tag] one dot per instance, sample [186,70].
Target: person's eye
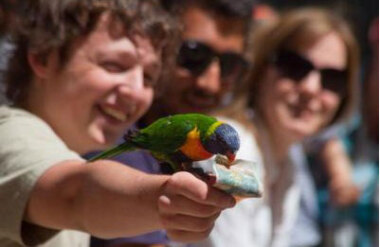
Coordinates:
[113,67]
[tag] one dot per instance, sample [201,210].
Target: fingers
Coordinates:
[187,185]
[183,205]
[189,207]
[187,237]
[188,223]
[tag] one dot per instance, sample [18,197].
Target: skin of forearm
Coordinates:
[104,198]
[343,191]
[115,200]
[336,160]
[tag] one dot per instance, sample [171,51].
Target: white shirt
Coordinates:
[263,221]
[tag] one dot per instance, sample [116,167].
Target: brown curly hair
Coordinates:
[49,25]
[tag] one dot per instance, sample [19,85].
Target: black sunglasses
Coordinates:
[196,57]
[296,67]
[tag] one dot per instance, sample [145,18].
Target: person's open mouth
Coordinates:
[117,115]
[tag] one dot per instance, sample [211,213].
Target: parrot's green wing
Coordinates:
[168,134]
[165,135]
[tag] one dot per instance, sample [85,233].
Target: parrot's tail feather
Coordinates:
[113,151]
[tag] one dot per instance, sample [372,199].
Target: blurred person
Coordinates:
[9,15]
[348,222]
[332,165]
[334,162]
[208,76]
[10,10]
[303,80]
[338,167]
[264,12]
[321,56]
[75,64]
[210,62]
[371,88]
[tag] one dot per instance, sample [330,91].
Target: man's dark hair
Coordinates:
[50,25]
[229,8]
[234,9]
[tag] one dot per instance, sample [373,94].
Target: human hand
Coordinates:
[189,207]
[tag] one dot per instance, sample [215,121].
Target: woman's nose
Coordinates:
[312,83]
[309,89]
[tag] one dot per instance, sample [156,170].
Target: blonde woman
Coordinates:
[303,80]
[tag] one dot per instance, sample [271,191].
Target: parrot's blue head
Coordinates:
[224,140]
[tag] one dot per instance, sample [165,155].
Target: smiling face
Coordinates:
[297,109]
[188,92]
[106,85]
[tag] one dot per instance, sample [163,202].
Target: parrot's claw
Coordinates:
[166,168]
[186,166]
[130,134]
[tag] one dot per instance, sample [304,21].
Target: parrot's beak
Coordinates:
[231,157]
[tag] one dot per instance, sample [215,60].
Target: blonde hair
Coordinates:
[296,30]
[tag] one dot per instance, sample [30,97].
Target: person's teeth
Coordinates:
[121,116]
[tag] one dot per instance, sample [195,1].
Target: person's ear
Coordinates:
[41,65]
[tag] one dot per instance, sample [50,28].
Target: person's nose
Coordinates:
[133,82]
[311,84]
[135,79]
[310,88]
[210,79]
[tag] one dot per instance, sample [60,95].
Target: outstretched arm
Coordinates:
[108,200]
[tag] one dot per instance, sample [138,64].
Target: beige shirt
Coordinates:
[28,147]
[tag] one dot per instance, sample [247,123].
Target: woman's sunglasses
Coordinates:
[197,57]
[296,67]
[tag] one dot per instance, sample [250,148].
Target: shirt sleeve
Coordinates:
[28,147]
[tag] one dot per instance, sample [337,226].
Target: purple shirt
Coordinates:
[142,161]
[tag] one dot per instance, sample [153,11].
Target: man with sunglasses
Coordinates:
[208,75]
[210,62]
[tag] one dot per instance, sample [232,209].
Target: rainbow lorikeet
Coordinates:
[181,138]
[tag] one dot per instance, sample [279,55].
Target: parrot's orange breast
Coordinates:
[193,147]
